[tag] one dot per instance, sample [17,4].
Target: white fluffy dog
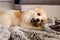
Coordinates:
[10,17]
[34,18]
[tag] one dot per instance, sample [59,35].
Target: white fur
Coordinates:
[8,18]
[32,13]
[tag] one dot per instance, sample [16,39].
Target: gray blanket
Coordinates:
[51,31]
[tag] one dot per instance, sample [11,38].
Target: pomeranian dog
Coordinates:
[10,18]
[33,18]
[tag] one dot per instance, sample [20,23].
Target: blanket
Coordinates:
[51,31]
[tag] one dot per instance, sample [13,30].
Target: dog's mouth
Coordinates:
[35,23]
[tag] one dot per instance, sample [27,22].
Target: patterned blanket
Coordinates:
[51,31]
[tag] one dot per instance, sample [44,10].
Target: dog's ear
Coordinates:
[1,13]
[18,14]
[22,12]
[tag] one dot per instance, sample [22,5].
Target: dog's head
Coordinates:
[35,16]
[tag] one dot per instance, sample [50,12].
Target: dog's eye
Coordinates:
[38,14]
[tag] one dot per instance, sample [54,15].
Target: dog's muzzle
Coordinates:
[35,22]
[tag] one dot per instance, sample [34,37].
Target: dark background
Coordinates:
[42,2]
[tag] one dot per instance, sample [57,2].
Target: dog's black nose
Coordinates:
[37,20]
